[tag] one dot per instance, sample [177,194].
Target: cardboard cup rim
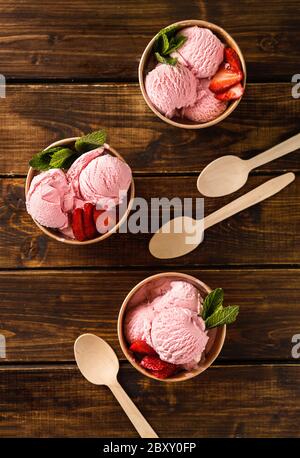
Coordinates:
[227,39]
[60,238]
[185,375]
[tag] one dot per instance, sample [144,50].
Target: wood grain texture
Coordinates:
[233,401]
[42,312]
[264,234]
[33,116]
[104,40]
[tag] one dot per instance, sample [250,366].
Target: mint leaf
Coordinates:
[212,302]
[176,44]
[60,159]
[222,316]
[90,141]
[165,60]
[165,44]
[169,31]
[41,160]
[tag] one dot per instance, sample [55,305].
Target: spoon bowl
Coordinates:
[96,360]
[223,176]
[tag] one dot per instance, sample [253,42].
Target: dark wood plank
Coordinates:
[43,312]
[33,116]
[264,234]
[233,401]
[97,39]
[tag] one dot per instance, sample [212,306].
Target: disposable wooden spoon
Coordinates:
[229,173]
[183,234]
[99,364]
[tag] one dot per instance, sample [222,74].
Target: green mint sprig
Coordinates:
[167,42]
[213,312]
[62,157]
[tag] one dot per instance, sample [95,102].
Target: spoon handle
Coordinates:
[262,192]
[139,422]
[275,152]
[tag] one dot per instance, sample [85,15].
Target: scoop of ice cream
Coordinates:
[100,178]
[178,336]
[180,294]
[202,52]
[207,107]
[171,87]
[138,322]
[50,198]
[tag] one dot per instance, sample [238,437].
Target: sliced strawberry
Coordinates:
[141,347]
[165,373]
[77,224]
[233,93]
[154,363]
[233,59]
[97,213]
[88,221]
[225,78]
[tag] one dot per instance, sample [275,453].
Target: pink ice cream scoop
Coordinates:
[171,87]
[169,322]
[202,52]
[138,322]
[50,198]
[178,336]
[180,294]
[100,178]
[207,107]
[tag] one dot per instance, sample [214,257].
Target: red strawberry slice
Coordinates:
[225,78]
[88,221]
[97,213]
[165,373]
[233,93]
[233,59]
[141,347]
[154,363]
[77,224]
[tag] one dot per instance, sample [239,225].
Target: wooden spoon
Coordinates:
[99,364]
[227,174]
[183,234]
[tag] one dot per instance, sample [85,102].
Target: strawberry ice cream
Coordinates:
[171,88]
[100,178]
[202,52]
[178,335]
[207,106]
[50,198]
[169,322]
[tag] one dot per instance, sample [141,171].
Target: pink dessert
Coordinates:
[198,79]
[50,198]
[100,178]
[80,202]
[169,323]
[207,106]
[171,88]
[202,52]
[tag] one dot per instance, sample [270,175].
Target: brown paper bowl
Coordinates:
[144,68]
[215,343]
[55,234]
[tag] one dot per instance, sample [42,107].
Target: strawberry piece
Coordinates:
[88,221]
[154,363]
[97,213]
[225,78]
[233,59]
[233,93]
[165,373]
[141,347]
[77,224]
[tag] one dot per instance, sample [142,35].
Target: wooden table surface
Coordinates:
[72,67]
